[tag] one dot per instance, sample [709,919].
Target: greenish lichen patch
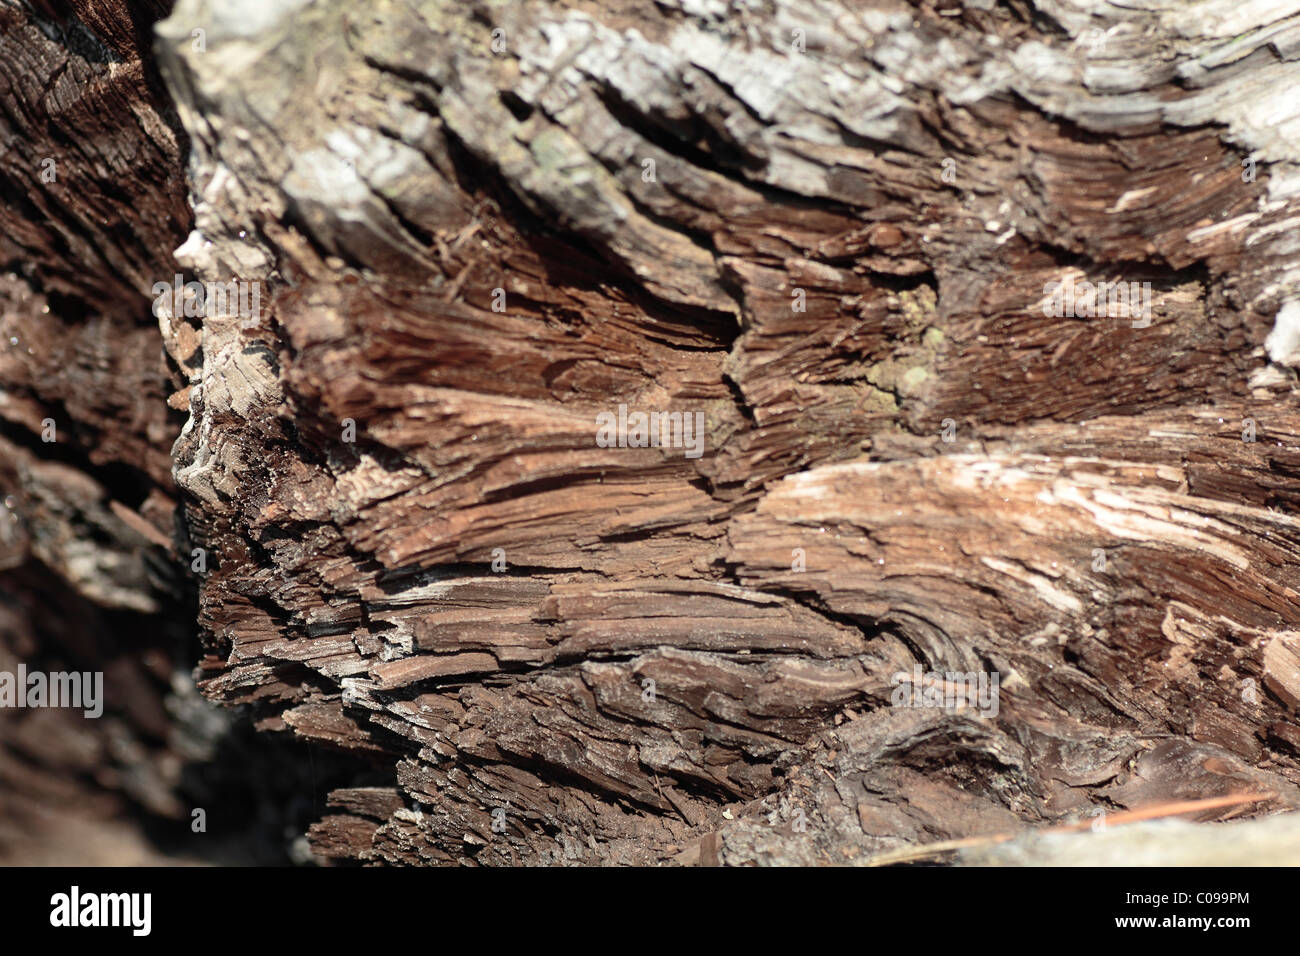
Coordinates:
[916,306]
[875,400]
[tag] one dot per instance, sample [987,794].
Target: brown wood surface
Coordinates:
[827,228]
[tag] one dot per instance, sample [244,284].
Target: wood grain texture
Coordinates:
[827,231]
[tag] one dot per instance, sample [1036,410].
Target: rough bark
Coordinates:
[95,200]
[828,227]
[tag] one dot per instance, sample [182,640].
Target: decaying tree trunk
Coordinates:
[94,192]
[94,199]
[835,233]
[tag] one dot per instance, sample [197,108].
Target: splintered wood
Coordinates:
[661,419]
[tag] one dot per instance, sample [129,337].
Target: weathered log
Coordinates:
[91,578]
[91,167]
[855,250]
